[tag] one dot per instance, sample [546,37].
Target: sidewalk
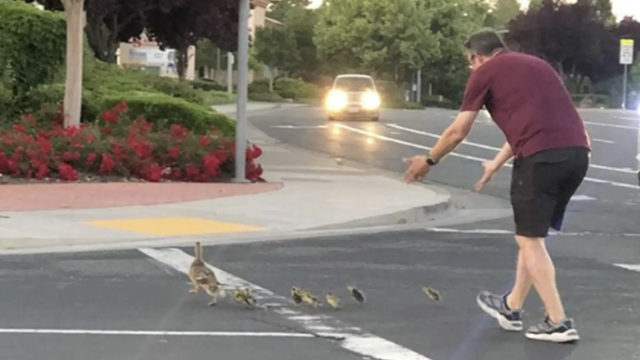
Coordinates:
[230,109]
[305,191]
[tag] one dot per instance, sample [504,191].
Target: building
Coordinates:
[146,55]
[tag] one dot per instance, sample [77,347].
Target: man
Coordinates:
[529,103]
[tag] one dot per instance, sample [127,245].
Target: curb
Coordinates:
[230,239]
[417,215]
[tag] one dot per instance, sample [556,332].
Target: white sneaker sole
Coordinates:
[565,337]
[502,321]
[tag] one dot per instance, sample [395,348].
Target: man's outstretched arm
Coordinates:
[453,135]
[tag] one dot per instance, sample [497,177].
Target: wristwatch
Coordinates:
[430,161]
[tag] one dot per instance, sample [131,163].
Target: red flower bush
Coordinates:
[118,146]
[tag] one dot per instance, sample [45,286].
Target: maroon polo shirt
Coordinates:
[528,101]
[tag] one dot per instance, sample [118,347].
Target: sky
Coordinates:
[621,8]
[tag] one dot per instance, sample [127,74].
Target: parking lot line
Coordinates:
[154,333]
[350,338]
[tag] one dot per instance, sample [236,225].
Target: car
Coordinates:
[353,96]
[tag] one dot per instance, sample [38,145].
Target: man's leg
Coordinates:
[516,297]
[554,183]
[543,274]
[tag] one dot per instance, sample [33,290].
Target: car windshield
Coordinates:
[354,83]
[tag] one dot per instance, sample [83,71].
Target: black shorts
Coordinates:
[542,186]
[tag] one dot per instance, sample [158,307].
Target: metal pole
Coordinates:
[230,73]
[419,90]
[624,88]
[242,93]
[217,60]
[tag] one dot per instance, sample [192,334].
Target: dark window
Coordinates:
[354,83]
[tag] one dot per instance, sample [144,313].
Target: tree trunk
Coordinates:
[74,10]
[182,62]
[102,42]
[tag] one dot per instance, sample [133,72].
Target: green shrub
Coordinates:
[32,45]
[438,102]
[265,97]
[219,98]
[286,88]
[103,78]
[6,102]
[259,86]
[173,87]
[109,79]
[53,94]
[164,110]
[208,85]
[290,88]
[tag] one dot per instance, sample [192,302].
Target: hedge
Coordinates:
[32,46]
[53,94]
[164,110]
[287,88]
[208,85]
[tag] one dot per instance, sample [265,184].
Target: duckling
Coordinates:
[309,298]
[432,293]
[295,295]
[358,295]
[202,277]
[245,297]
[333,301]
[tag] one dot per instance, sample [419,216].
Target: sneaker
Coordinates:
[562,332]
[496,307]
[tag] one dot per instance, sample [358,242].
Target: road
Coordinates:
[135,304]
[608,200]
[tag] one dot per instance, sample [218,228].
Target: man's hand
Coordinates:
[417,168]
[490,168]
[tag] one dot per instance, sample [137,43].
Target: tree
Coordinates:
[563,34]
[276,48]
[574,38]
[603,9]
[504,11]
[108,22]
[533,4]
[454,23]
[379,36]
[179,24]
[280,9]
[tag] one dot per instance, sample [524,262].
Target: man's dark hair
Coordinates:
[485,43]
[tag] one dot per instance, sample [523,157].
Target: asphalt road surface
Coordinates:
[608,201]
[135,304]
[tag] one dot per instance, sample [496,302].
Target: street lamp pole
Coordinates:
[242,92]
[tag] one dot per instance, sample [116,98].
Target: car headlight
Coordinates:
[370,100]
[336,100]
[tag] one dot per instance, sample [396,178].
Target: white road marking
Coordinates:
[507,232]
[154,333]
[628,118]
[632,267]
[349,338]
[582,198]
[603,141]
[422,147]
[299,126]
[497,149]
[612,125]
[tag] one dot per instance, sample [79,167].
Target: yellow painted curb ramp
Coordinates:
[179,226]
